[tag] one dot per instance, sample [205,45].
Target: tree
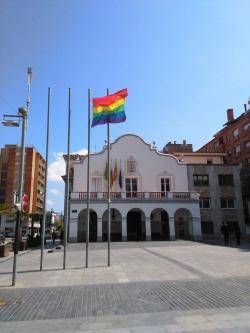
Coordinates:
[58,225]
[5,209]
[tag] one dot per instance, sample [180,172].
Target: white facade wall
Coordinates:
[151,166]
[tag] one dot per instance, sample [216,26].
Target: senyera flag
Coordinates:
[110,108]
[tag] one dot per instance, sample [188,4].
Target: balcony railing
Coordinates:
[136,195]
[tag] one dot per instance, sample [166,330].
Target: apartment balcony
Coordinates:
[136,196]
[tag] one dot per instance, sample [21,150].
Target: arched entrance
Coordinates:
[183,224]
[136,230]
[159,224]
[115,223]
[82,226]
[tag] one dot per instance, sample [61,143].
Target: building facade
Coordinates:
[234,140]
[150,198]
[34,176]
[218,185]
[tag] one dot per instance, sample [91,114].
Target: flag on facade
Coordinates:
[110,108]
[120,178]
[106,171]
[111,178]
[115,171]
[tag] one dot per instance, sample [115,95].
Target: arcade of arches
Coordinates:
[136,226]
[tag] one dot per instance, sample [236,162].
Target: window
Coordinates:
[247,144]
[227,203]
[2,192]
[4,174]
[165,185]
[3,183]
[201,180]
[205,203]
[131,187]
[131,167]
[236,133]
[248,161]
[237,150]
[216,144]
[207,227]
[221,140]
[246,127]
[226,180]
[96,184]
[209,161]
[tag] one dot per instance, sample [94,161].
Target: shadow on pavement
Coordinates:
[244,246]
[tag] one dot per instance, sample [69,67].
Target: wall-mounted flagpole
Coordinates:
[66,215]
[108,140]
[45,184]
[88,194]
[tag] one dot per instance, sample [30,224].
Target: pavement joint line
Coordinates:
[179,263]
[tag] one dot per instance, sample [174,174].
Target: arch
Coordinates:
[82,226]
[136,230]
[159,224]
[183,223]
[115,223]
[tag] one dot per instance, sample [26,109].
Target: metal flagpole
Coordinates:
[88,194]
[66,215]
[45,185]
[108,140]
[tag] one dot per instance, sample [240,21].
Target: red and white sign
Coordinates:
[25,205]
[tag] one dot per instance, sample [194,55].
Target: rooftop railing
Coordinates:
[136,195]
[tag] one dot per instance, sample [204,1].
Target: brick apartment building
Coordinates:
[234,140]
[34,176]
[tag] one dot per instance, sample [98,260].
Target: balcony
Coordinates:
[135,196]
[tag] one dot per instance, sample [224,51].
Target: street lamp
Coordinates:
[8,121]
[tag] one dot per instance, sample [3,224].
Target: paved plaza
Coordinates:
[179,286]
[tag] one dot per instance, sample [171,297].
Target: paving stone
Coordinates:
[124,298]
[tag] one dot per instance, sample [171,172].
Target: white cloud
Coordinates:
[55,191]
[49,202]
[56,169]
[82,152]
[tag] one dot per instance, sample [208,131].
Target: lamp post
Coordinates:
[14,121]
[8,121]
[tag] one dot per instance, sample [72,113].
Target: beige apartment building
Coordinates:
[218,184]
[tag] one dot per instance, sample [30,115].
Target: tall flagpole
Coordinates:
[45,184]
[108,140]
[66,215]
[88,194]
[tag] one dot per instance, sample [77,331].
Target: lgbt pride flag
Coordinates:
[110,108]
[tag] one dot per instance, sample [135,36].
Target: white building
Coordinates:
[153,201]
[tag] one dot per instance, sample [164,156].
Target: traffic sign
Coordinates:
[25,205]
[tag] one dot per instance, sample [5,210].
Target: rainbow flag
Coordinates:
[109,109]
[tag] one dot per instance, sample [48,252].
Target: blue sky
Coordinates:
[183,62]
